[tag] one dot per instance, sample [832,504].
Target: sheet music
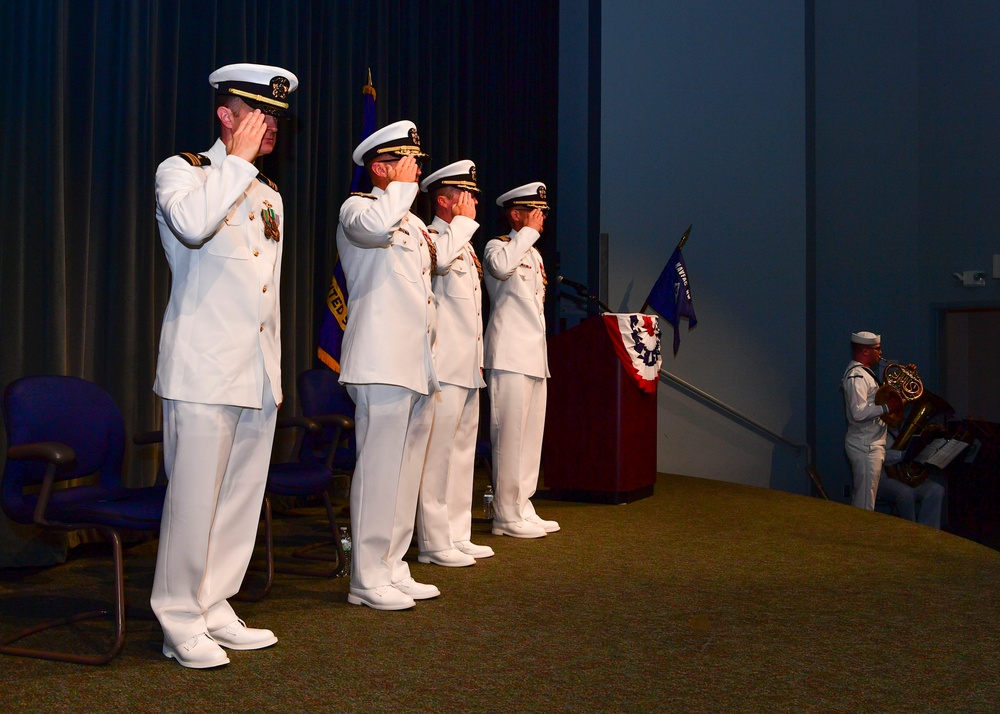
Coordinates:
[940,452]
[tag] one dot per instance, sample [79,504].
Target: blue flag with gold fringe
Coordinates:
[331,333]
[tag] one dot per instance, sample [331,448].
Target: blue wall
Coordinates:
[908,142]
[702,108]
[704,121]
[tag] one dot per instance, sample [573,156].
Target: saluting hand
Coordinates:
[535,219]
[466,206]
[248,136]
[405,170]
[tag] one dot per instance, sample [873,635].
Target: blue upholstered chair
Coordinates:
[324,400]
[61,430]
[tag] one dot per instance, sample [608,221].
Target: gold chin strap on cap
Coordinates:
[530,204]
[258,98]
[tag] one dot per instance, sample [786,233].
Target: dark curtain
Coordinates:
[98,93]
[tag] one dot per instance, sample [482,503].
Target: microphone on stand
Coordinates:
[579,287]
[582,290]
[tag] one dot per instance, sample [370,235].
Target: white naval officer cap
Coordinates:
[400,139]
[531,195]
[461,174]
[866,338]
[261,86]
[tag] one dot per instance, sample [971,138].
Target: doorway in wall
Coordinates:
[969,359]
[969,354]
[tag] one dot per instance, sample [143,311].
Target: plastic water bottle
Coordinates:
[488,502]
[345,543]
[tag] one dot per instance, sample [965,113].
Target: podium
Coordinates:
[600,426]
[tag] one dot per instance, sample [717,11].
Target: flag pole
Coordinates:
[684,238]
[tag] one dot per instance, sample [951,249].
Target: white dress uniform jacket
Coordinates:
[216,344]
[459,349]
[391,323]
[515,279]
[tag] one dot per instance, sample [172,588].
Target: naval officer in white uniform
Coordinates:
[516,360]
[388,363]
[222,226]
[444,509]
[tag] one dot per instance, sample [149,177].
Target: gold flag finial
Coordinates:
[684,238]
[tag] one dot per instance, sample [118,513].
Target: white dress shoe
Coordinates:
[518,529]
[418,591]
[237,636]
[385,597]
[199,652]
[452,558]
[476,551]
[547,526]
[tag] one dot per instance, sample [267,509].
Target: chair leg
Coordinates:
[117,615]
[244,596]
[306,553]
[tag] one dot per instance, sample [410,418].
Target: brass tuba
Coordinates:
[925,405]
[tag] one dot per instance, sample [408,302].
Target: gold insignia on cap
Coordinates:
[414,137]
[541,192]
[279,87]
[472,173]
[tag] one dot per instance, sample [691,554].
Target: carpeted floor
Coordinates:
[706,597]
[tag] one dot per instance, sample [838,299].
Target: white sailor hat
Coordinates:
[866,338]
[532,195]
[461,175]
[400,139]
[261,86]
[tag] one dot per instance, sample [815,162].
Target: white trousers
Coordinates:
[929,495]
[444,509]
[866,465]
[216,459]
[392,425]
[517,423]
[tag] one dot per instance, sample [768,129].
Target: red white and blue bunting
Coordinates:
[636,338]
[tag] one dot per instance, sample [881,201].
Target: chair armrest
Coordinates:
[148,437]
[298,422]
[344,422]
[57,455]
[54,452]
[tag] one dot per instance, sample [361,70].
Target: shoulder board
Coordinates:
[363,195]
[195,159]
[433,230]
[505,238]
[267,182]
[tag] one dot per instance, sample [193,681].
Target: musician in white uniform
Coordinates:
[444,509]
[866,432]
[221,224]
[922,503]
[516,360]
[388,364]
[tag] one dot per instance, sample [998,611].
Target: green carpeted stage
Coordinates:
[706,597]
